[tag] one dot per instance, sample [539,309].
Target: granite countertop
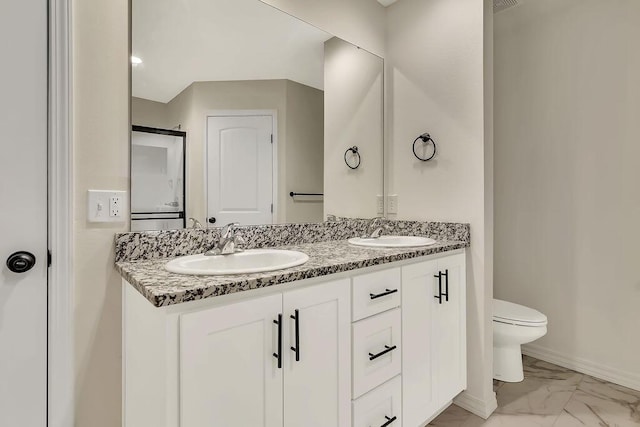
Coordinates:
[163,288]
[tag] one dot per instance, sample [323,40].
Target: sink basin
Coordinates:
[249,261]
[392,241]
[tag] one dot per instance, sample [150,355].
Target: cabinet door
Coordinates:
[228,374]
[449,330]
[419,400]
[317,385]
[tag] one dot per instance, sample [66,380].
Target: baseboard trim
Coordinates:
[597,370]
[475,405]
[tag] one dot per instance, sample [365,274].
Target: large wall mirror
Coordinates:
[243,113]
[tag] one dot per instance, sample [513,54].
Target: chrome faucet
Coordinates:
[229,241]
[374,230]
[195,223]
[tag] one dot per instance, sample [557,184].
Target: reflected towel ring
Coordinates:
[356,154]
[426,139]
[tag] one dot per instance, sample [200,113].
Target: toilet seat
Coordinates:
[515,314]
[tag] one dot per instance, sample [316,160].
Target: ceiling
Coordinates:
[386,3]
[184,41]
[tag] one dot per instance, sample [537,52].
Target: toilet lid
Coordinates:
[508,312]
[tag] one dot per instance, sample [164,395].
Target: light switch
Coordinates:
[106,206]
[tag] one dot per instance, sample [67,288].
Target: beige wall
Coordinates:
[101,161]
[567,99]
[361,22]
[304,152]
[353,81]
[145,112]
[435,83]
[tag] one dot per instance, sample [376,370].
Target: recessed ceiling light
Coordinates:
[135,61]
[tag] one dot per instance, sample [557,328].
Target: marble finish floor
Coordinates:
[553,396]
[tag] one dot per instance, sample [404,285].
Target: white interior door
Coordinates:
[240,169]
[23,191]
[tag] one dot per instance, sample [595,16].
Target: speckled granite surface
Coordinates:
[174,243]
[162,288]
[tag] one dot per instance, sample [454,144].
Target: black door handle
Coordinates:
[446,285]
[383,294]
[296,349]
[211,220]
[389,421]
[21,262]
[386,350]
[439,296]
[278,355]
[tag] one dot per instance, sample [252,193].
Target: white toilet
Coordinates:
[513,325]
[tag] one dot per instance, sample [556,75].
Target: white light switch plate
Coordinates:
[107,206]
[392,199]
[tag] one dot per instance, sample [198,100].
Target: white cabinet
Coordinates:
[237,362]
[228,374]
[285,359]
[317,382]
[380,407]
[377,350]
[433,336]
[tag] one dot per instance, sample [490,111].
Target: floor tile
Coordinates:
[508,420]
[534,397]
[601,404]
[454,416]
[553,396]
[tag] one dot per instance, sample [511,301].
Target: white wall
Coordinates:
[360,22]
[435,83]
[101,161]
[567,99]
[353,82]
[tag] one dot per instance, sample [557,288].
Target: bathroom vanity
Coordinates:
[354,337]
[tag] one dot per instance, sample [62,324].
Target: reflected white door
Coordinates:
[23,217]
[240,169]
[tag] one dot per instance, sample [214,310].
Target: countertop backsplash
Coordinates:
[139,246]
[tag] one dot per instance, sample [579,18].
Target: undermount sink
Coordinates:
[249,261]
[392,241]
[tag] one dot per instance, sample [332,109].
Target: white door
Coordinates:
[317,379]
[228,373]
[419,393]
[240,169]
[23,217]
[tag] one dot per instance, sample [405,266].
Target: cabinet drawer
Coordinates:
[376,351]
[376,292]
[380,407]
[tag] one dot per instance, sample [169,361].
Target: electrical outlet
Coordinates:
[380,204]
[392,199]
[106,206]
[114,206]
